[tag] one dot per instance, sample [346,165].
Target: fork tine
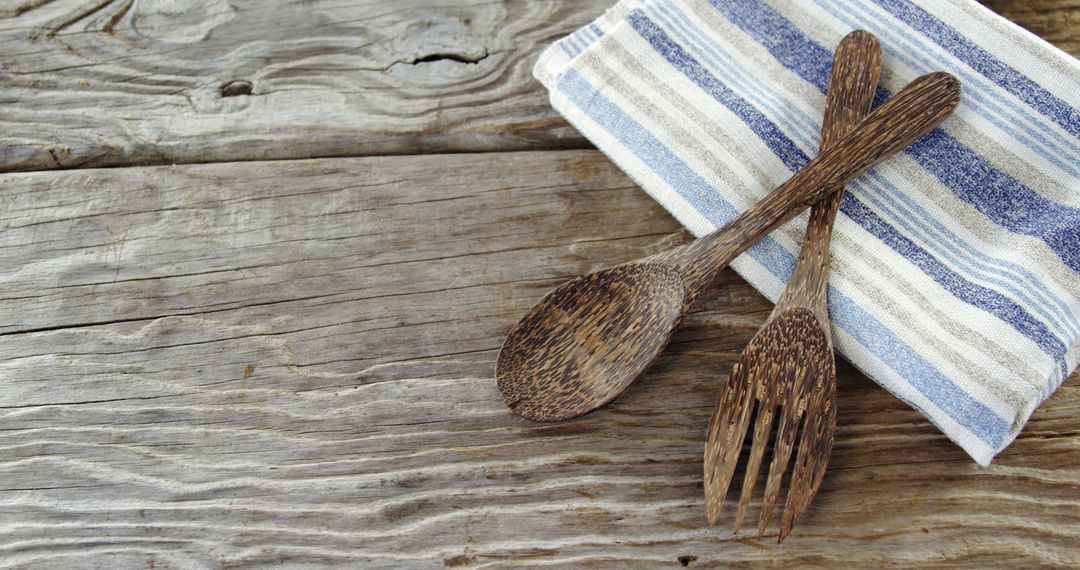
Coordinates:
[762,429]
[727,429]
[815,447]
[785,440]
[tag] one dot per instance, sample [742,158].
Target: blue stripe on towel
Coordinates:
[990,67]
[997,195]
[980,95]
[916,371]
[733,72]
[580,40]
[568,46]
[1013,278]
[986,299]
[781,145]
[976,295]
[975,416]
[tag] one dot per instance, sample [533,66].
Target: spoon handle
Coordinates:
[901,120]
[856,67]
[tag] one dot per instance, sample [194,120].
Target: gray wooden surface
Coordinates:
[288,363]
[120,82]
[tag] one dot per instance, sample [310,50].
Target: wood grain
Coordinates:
[289,363]
[124,82]
[90,83]
[1055,21]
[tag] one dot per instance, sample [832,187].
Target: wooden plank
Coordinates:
[291,363]
[116,82]
[1055,21]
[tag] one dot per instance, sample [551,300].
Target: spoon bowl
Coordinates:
[587,340]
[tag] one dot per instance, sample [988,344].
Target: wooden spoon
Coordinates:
[587,340]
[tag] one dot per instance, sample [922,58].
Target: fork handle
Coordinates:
[908,115]
[856,67]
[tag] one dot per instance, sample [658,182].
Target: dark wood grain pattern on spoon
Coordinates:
[788,369]
[587,340]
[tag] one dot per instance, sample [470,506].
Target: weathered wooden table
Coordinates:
[257,261]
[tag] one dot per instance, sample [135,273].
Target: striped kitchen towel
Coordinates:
[955,265]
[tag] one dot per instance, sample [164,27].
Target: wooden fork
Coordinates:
[789,363]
